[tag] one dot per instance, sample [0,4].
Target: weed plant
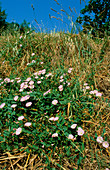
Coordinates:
[54,102]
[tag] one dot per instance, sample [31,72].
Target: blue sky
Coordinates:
[20,10]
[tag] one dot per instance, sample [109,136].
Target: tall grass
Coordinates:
[54,106]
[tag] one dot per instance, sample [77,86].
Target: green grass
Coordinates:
[60,65]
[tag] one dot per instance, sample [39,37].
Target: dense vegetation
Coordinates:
[54,101]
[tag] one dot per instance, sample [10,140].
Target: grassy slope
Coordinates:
[84,55]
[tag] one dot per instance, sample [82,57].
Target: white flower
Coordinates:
[56,118]
[18,81]
[31,82]
[27,124]
[28,104]
[33,54]
[2,105]
[38,82]
[105,144]
[15,98]
[61,80]
[55,135]
[13,105]
[54,102]
[70,136]
[87,87]
[20,36]
[28,79]
[73,126]
[18,131]
[99,139]
[80,131]
[52,118]
[33,61]
[60,88]
[85,84]
[99,94]
[21,118]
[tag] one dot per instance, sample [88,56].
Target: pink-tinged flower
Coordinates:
[25,86]
[42,78]
[20,45]
[43,71]
[7,80]
[105,144]
[106,169]
[85,84]
[99,139]
[46,92]
[24,98]
[95,91]
[2,105]
[27,124]
[61,77]
[68,83]
[28,79]
[50,74]
[33,61]
[31,82]
[31,86]
[80,131]
[39,72]
[91,92]
[15,98]
[18,131]
[21,118]
[20,36]
[13,134]
[19,81]
[2,82]
[12,81]
[17,78]
[36,77]
[60,88]
[22,85]
[70,136]
[56,118]
[36,73]
[73,126]
[41,62]
[55,135]
[13,105]
[99,94]
[61,80]
[28,104]
[69,70]
[52,118]
[87,87]
[33,54]
[38,82]
[54,102]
